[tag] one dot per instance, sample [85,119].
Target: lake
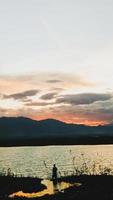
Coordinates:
[38,161]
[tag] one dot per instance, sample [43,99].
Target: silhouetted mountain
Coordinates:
[25,131]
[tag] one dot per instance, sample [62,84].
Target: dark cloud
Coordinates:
[57,89]
[54,81]
[48,96]
[21,95]
[100,112]
[84,98]
[84,114]
[39,104]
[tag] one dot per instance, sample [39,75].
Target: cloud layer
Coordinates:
[21,95]
[58,96]
[81,99]
[48,96]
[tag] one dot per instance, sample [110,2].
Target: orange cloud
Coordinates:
[69,119]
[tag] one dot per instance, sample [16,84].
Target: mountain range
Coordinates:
[19,131]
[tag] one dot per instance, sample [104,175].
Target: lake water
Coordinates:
[38,161]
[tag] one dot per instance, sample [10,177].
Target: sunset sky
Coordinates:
[56,60]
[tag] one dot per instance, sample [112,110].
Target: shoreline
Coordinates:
[91,187]
[11,184]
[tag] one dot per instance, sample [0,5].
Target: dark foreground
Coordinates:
[9,185]
[92,188]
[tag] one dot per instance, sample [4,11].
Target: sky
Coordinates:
[56,60]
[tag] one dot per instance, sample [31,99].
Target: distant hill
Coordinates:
[16,131]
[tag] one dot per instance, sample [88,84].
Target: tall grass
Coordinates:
[87,167]
[7,172]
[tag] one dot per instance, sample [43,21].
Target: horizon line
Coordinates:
[63,121]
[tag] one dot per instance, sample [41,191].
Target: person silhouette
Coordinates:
[54,172]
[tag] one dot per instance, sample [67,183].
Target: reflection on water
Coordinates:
[52,188]
[38,161]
